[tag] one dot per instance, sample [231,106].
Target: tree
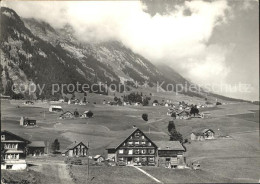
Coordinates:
[55,145]
[90,114]
[175,136]
[218,103]
[174,114]
[115,99]
[171,126]
[66,99]
[194,110]
[145,117]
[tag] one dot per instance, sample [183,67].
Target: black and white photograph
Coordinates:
[129,91]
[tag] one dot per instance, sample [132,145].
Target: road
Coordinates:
[52,172]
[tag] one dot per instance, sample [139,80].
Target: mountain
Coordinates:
[32,51]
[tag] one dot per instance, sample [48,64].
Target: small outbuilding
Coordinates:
[55,108]
[24,121]
[98,158]
[66,115]
[36,148]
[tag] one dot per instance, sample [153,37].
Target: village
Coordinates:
[163,134]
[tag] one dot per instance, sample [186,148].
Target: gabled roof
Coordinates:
[202,132]
[66,113]
[128,133]
[16,136]
[205,130]
[183,111]
[37,144]
[97,156]
[73,145]
[169,145]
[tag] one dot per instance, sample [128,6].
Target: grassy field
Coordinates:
[233,159]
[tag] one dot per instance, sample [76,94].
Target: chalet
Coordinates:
[66,115]
[197,136]
[55,108]
[202,135]
[138,104]
[76,149]
[126,103]
[14,151]
[29,103]
[170,154]
[84,115]
[183,115]
[98,158]
[5,97]
[36,148]
[208,134]
[24,121]
[135,149]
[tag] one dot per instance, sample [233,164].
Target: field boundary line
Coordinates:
[147,174]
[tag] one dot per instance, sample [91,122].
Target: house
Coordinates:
[208,134]
[36,148]
[170,154]
[66,115]
[14,151]
[98,158]
[55,108]
[138,104]
[76,149]
[29,103]
[134,149]
[202,135]
[183,115]
[27,122]
[197,136]
[126,103]
[84,115]
[5,97]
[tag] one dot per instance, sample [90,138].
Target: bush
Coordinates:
[90,114]
[145,117]
[218,103]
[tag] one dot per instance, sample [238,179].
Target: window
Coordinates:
[143,142]
[144,159]
[168,159]
[121,151]
[9,166]
[130,143]
[143,151]
[136,159]
[130,152]
[151,159]
[2,137]
[142,137]
[151,151]
[137,151]
[149,144]
[136,142]
[137,134]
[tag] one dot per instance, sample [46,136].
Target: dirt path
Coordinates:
[53,172]
[147,174]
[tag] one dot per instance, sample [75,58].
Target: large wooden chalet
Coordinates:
[14,151]
[138,149]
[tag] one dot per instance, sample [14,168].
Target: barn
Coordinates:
[36,148]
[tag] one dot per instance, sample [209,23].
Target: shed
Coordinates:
[55,108]
[36,148]
[98,158]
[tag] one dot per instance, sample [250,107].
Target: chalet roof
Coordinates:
[202,131]
[67,112]
[169,145]
[183,111]
[16,136]
[71,146]
[97,156]
[56,106]
[115,144]
[205,130]
[37,144]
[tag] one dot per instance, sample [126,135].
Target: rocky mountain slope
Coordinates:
[32,51]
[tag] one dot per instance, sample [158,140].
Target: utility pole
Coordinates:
[88,163]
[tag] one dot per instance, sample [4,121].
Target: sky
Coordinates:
[212,43]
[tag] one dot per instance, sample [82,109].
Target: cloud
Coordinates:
[174,39]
